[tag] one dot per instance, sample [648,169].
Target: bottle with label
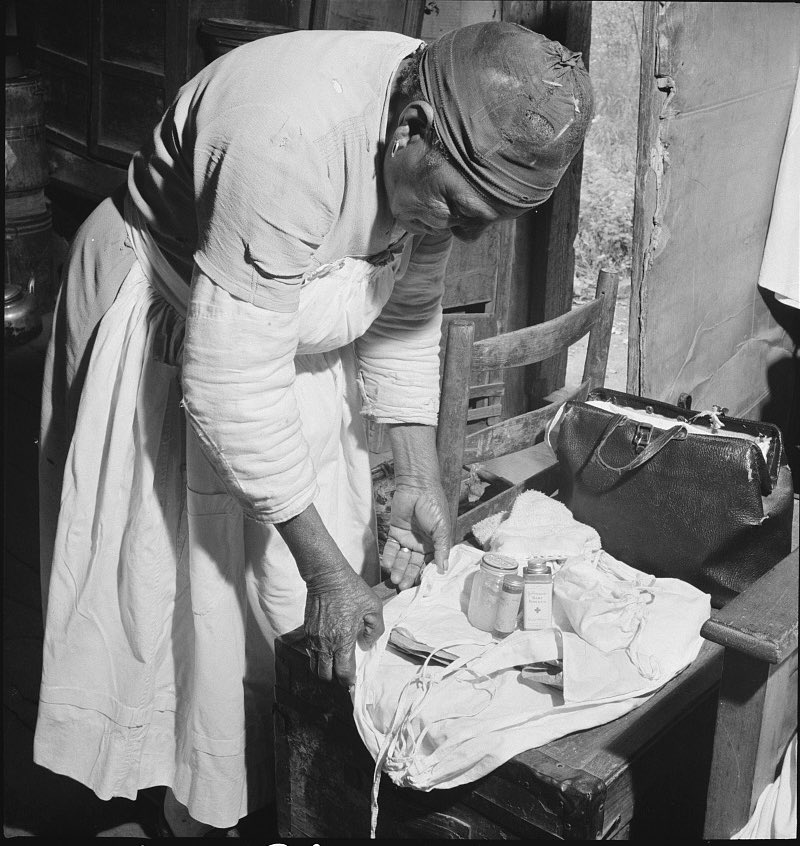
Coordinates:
[537,599]
[505,620]
[486,587]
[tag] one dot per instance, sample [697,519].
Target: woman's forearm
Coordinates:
[414,451]
[318,558]
[420,528]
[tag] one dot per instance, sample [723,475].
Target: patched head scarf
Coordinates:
[512,108]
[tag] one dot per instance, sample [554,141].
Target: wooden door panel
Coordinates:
[711,133]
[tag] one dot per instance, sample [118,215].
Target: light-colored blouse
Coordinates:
[266,175]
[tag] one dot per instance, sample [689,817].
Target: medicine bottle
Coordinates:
[486,587]
[537,598]
[505,620]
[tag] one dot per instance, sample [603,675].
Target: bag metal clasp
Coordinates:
[641,437]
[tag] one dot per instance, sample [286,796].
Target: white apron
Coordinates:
[158,664]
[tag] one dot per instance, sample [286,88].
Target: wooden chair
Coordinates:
[468,380]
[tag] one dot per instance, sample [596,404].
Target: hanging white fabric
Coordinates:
[780,265]
[775,814]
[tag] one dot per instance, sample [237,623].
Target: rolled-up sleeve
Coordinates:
[264,204]
[238,388]
[399,354]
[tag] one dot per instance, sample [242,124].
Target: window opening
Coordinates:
[605,226]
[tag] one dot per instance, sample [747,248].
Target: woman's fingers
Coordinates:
[390,551]
[373,629]
[441,545]
[407,566]
[344,661]
[410,574]
[321,663]
[432,513]
[403,563]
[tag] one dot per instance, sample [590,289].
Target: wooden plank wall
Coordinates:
[479,274]
[716,93]
[544,255]
[389,15]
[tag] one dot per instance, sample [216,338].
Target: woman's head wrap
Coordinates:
[512,108]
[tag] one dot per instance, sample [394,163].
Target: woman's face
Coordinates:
[426,198]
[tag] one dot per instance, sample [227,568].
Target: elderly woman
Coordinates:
[273,272]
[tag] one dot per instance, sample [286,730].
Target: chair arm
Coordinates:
[762,621]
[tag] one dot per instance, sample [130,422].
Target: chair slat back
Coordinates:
[535,343]
[468,362]
[453,408]
[516,433]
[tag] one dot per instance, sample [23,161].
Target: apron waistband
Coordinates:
[159,272]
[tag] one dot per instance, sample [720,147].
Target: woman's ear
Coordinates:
[416,121]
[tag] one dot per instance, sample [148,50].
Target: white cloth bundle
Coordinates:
[624,633]
[537,524]
[620,634]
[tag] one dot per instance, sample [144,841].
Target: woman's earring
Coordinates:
[395,148]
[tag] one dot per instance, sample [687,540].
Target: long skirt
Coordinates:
[162,601]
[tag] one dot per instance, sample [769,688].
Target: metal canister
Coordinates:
[505,620]
[26,152]
[21,319]
[537,599]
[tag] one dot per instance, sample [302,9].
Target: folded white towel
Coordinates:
[536,525]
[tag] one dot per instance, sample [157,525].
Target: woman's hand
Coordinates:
[419,529]
[419,526]
[340,609]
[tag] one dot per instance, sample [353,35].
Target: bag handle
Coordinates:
[554,421]
[653,448]
[756,428]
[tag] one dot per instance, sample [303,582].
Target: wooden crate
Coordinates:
[643,775]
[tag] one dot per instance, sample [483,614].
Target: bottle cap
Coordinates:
[499,563]
[512,584]
[537,567]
